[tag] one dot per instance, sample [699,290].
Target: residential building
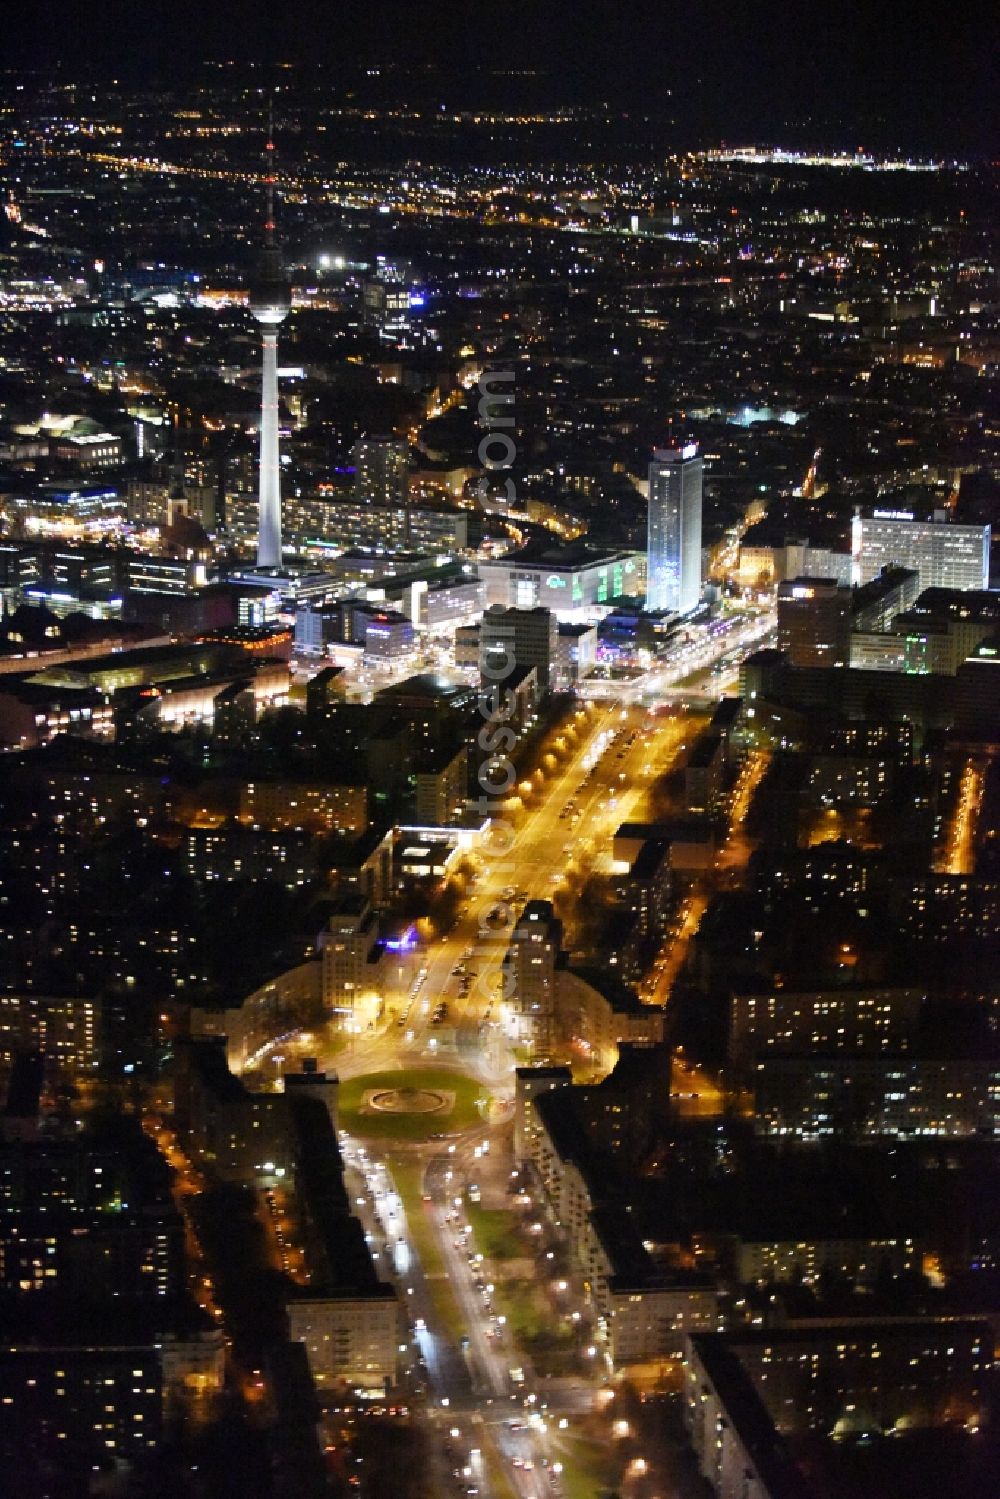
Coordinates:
[529,978]
[349,1320]
[319,806]
[820,1094]
[381,470]
[65,1028]
[529,1082]
[441,790]
[747,1394]
[238,1134]
[862,1018]
[350,964]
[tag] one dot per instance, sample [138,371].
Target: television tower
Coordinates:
[270,299]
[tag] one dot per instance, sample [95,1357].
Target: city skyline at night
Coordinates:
[499,753]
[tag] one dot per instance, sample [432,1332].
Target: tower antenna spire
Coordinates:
[270,299]
[269,178]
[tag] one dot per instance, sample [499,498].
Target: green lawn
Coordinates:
[447,1320]
[463,1114]
[495,1232]
[408,1176]
[534,1327]
[501,1483]
[588,1472]
[516,1300]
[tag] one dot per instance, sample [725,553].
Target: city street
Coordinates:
[565,822]
[497,1424]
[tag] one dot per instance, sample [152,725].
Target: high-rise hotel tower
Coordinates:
[673,563]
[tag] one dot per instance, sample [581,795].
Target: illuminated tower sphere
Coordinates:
[270,299]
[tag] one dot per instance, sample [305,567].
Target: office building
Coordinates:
[944,555]
[629,635]
[442,608]
[387,303]
[316,629]
[389,637]
[767,557]
[673,551]
[576,652]
[513,639]
[86,450]
[932,634]
[945,627]
[875,605]
[814,621]
[877,650]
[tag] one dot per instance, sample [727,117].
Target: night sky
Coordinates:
[849,72]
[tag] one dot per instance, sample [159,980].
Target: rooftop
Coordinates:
[556,556]
[781,1477]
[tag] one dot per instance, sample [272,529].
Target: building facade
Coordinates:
[529,978]
[673,551]
[814,621]
[943,554]
[511,639]
[381,470]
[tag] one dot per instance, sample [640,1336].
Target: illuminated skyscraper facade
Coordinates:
[673,564]
[944,554]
